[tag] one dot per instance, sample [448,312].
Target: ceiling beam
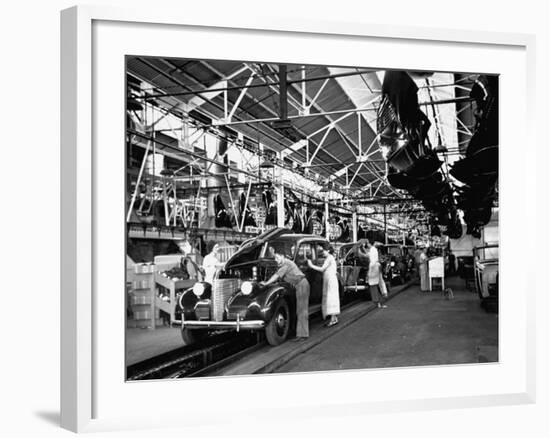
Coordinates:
[198,100]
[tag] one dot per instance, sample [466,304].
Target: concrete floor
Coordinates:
[416,329]
[146,343]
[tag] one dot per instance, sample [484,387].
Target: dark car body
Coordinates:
[397,262]
[353,267]
[224,306]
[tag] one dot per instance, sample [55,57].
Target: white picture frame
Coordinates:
[85,371]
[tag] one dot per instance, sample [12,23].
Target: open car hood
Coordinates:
[255,243]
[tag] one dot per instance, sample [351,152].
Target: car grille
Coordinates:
[222,289]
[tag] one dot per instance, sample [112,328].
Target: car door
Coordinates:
[349,268]
[316,282]
[306,252]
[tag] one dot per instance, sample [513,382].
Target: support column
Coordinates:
[385,226]
[283,102]
[354,226]
[280,196]
[326,217]
[165,201]
[185,144]
[215,177]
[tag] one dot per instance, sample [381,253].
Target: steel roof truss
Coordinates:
[355,174]
[352,150]
[238,101]
[319,145]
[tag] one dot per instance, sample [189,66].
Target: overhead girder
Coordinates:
[325,151]
[218,106]
[332,124]
[303,156]
[274,135]
[183,85]
[239,87]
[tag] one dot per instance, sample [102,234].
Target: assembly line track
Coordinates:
[190,359]
[219,351]
[202,358]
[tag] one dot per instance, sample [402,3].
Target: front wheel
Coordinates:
[191,336]
[278,326]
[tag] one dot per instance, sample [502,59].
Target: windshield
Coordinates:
[394,250]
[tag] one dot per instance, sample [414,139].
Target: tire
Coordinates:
[192,336]
[278,326]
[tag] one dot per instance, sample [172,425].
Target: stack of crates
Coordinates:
[142,309]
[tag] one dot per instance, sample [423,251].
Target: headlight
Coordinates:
[198,289]
[392,264]
[246,288]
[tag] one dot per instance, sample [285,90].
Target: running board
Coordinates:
[316,308]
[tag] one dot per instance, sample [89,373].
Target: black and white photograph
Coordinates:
[291,218]
[319,219]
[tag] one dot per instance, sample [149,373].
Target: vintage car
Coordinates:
[486,275]
[236,300]
[396,262]
[353,268]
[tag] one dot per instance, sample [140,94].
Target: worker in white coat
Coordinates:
[423,270]
[211,263]
[377,286]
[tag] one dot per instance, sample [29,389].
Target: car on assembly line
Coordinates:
[486,276]
[396,262]
[353,267]
[236,301]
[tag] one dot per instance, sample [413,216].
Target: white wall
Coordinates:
[465,245]
[29,105]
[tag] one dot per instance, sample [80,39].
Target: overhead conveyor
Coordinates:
[318,126]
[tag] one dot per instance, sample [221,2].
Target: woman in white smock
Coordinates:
[211,263]
[423,269]
[377,286]
[330,305]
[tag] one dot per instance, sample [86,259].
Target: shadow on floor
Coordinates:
[51,417]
